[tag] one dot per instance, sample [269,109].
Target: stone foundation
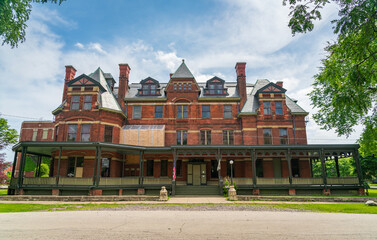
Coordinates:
[96,192]
[326,192]
[140,191]
[256,191]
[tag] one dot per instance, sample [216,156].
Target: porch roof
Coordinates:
[45,148]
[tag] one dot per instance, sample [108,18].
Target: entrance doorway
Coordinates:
[196,174]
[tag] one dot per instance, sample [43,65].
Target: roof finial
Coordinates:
[183,60]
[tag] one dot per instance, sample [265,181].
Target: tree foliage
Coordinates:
[345,88]
[13,17]
[7,136]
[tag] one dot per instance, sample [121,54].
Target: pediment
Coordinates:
[85,81]
[272,88]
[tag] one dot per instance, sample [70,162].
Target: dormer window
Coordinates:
[149,87]
[215,86]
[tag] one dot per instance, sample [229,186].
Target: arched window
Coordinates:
[215,86]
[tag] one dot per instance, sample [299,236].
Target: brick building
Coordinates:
[184,135]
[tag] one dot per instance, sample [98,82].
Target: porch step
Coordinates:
[197,190]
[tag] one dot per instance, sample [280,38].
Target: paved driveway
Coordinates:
[186,225]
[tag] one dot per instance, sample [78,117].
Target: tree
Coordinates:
[7,136]
[13,17]
[345,88]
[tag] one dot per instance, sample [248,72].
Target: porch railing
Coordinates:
[272,181]
[39,180]
[75,181]
[307,181]
[243,181]
[118,181]
[343,181]
[157,181]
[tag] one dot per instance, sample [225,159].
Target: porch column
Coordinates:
[123,162]
[98,166]
[21,168]
[14,164]
[59,160]
[311,167]
[95,166]
[355,155]
[337,166]
[254,169]
[289,158]
[39,162]
[324,174]
[174,172]
[141,169]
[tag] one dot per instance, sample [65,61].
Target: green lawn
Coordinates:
[372,193]
[330,208]
[3,191]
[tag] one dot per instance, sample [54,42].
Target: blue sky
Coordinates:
[153,36]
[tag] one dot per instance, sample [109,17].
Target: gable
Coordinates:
[85,81]
[271,88]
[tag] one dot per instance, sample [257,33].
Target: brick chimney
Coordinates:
[279,83]
[124,74]
[241,82]
[70,72]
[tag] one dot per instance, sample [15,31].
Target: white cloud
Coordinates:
[97,47]
[79,45]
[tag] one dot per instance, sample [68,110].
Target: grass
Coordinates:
[3,191]
[328,208]
[373,184]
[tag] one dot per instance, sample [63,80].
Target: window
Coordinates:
[85,132]
[214,172]
[205,137]
[164,168]
[267,108]
[73,164]
[206,111]
[105,167]
[56,133]
[75,102]
[184,86]
[178,168]
[181,137]
[216,89]
[259,167]
[149,90]
[35,133]
[228,138]
[44,133]
[182,111]
[136,112]
[267,137]
[283,136]
[72,130]
[87,102]
[227,111]
[179,87]
[175,87]
[108,134]
[158,111]
[278,108]
[189,86]
[150,168]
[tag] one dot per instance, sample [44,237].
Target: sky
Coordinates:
[153,36]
